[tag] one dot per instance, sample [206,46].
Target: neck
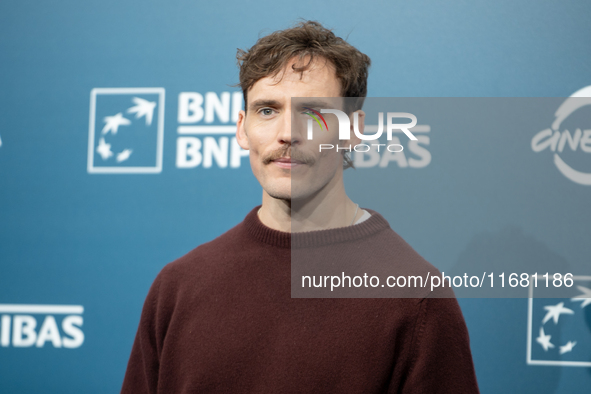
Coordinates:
[330,207]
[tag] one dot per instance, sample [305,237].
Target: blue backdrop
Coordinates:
[89,214]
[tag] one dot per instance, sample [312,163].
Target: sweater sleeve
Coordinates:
[441,360]
[143,365]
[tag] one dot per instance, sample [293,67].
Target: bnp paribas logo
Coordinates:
[126,130]
[558,329]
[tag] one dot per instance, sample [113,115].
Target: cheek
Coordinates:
[323,137]
[330,159]
[260,136]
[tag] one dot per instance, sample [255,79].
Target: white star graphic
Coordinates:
[568,347]
[123,155]
[104,149]
[113,123]
[544,340]
[585,297]
[554,312]
[143,108]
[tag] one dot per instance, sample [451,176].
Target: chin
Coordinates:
[279,195]
[289,194]
[293,189]
[279,192]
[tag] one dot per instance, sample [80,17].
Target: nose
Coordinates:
[285,135]
[290,132]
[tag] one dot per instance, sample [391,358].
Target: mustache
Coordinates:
[288,151]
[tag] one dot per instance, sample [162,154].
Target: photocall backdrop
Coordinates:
[117,156]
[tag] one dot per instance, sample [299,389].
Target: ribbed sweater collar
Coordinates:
[311,239]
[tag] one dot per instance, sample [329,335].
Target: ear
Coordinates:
[241,136]
[361,123]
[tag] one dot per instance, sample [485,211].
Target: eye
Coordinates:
[266,111]
[310,111]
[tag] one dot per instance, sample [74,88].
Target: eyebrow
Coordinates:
[264,103]
[313,103]
[274,103]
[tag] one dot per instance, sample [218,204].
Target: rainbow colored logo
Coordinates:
[311,112]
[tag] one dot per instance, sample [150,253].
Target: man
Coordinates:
[222,319]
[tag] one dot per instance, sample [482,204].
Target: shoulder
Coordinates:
[394,256]
[206,260]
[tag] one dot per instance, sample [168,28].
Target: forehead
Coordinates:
[319,80]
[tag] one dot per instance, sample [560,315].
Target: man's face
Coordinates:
[286,164]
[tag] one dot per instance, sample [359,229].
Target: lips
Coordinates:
[286,162]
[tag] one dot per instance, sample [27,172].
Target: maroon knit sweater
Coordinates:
[221,320]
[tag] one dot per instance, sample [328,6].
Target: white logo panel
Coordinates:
[558,330]
[126,130]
